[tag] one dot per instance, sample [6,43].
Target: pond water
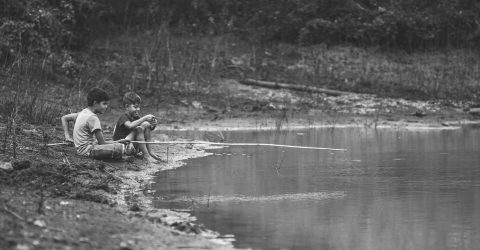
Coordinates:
[392,189]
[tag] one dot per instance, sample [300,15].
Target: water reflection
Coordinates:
[403,189]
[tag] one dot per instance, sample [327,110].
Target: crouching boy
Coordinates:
[87,132]
[131,127]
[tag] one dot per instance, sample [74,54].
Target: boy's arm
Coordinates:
[65,120]
[101,140]
[132,125]
[99,135]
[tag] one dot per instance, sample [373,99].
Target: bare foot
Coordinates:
[156,157]
[153,160]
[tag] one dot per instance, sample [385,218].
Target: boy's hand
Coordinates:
[68,139]
[154,122]
[148,117]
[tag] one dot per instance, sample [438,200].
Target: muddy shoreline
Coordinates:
[53,199]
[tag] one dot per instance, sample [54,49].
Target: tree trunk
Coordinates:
[277,85]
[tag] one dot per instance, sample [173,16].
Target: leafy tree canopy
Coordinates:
[42,26]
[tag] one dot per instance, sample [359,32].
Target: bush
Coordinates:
[41,27]
[410,27]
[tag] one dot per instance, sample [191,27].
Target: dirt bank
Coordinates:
[256,108]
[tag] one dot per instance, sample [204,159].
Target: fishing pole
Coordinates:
[59,144]
[218,144]
[71,143]
[237,144]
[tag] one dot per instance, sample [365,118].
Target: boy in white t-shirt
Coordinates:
[87,132]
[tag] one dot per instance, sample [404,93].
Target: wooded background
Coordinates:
[180,51]
[42,26]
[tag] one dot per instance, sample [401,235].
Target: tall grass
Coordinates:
[24,99]
[188,63]
[28,95]
[447,75]
[158,63]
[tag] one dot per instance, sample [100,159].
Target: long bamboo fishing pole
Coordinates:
[236,144]
[218,144]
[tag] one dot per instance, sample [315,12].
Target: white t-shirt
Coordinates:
[83,131]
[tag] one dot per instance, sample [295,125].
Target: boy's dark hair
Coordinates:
[97,95]
[131,98]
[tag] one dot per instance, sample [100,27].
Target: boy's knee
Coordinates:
[148,125]
[145,125]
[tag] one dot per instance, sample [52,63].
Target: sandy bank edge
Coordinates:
[137,181]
